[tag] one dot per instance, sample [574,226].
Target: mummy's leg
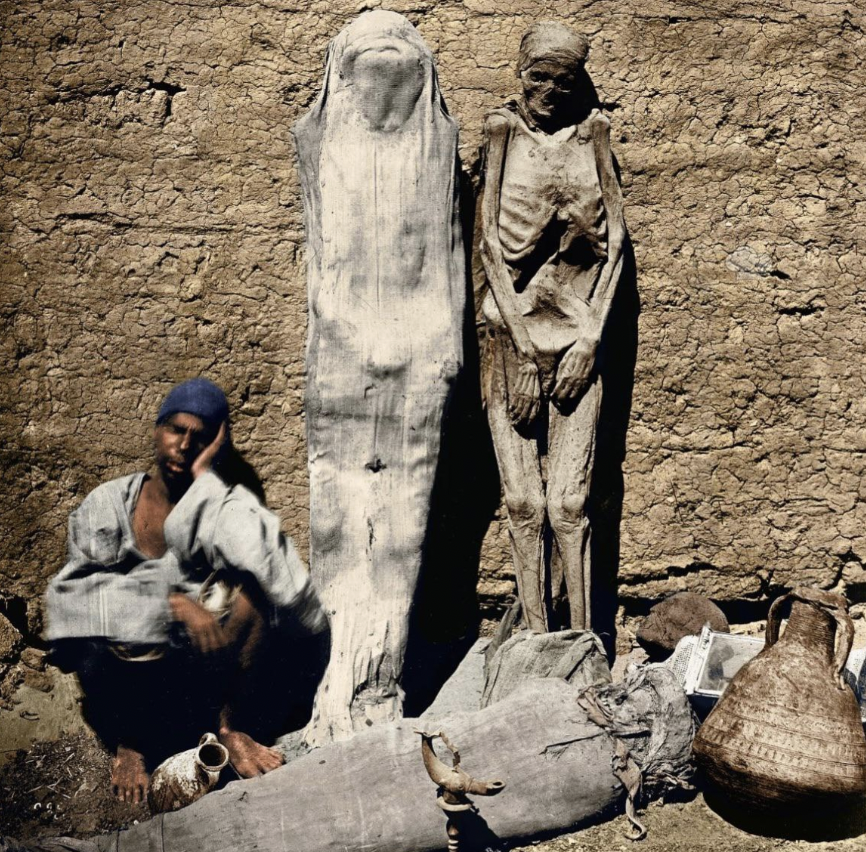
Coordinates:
[570,464]
[520,471]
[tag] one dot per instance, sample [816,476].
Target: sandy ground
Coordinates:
[61,788]
[684,827]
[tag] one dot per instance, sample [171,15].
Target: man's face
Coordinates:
[177,442]
[548,87]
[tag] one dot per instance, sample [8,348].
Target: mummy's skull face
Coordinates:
[548,87]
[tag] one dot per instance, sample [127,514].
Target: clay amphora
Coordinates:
[786,736]
[185,777]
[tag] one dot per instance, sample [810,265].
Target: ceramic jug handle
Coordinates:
[774,619]
[844,641]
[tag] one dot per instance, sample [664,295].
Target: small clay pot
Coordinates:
[182,779]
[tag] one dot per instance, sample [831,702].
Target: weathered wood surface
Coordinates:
[386,287]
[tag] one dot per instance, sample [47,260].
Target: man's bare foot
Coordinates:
[248,757]
[129,780]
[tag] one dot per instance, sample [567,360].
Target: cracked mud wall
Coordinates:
[151,230]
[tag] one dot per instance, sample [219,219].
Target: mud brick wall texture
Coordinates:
[152,230]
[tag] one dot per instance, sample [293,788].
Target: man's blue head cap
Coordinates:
[200,397]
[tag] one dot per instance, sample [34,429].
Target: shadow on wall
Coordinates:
[236,470]
[444,617]
[619,354]
[616,359]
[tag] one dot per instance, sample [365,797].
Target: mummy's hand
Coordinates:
[524,398]
[574,370]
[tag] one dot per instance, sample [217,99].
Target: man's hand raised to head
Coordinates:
[204,460]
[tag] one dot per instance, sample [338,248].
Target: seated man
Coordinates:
[172,581]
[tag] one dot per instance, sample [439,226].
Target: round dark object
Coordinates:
[683,614]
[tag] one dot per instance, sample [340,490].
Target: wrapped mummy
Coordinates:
[386,287]
[568,759]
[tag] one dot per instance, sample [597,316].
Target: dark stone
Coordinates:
[10,640]
[682,614]
[34,659]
